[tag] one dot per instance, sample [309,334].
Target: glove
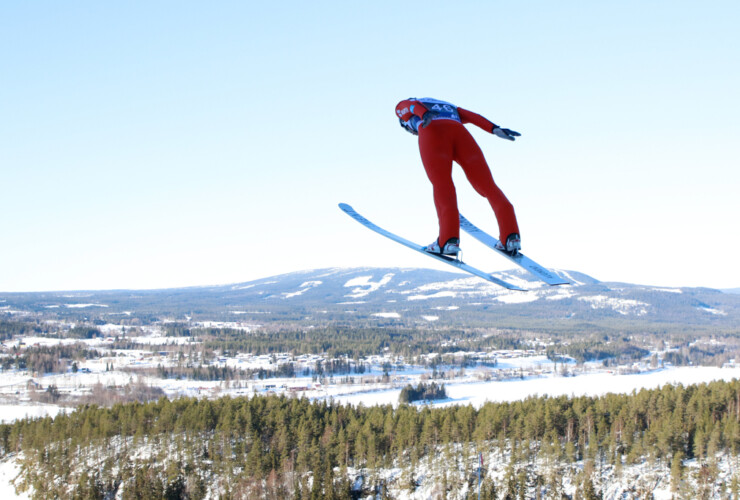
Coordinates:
[427,118]
[505,133]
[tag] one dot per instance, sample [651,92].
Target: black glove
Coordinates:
[427,118]
[505,133]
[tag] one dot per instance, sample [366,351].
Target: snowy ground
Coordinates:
[516,375]
[584,384]
[10,413]
[468,391]
[9,470]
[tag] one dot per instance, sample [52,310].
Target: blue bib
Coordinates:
[441,109]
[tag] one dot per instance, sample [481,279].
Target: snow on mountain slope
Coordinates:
[622,306]
[363,285]
[417,292]
[302,289]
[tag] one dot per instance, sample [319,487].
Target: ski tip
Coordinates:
[345,206]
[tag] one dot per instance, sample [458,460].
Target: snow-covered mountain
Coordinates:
[400,295]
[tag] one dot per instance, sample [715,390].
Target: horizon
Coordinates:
[151,146]
[355,268]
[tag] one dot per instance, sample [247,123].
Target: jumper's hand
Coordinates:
[427,118]
[505,133]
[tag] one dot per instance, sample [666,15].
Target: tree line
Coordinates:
[48,359]
[9,329]
[272,444]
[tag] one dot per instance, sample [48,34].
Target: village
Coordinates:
[144,364]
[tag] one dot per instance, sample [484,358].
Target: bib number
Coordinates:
[443,110]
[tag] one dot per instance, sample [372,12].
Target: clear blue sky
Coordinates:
[175,143]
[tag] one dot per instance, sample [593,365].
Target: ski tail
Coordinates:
[521,260]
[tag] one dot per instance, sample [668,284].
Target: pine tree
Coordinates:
[676,472]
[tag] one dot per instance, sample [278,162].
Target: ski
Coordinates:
[519,259]
[419,248]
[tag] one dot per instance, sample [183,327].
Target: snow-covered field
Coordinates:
[517,374]
[11,412]
[469,389]
[580,384]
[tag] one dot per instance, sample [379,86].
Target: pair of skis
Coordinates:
[519,259]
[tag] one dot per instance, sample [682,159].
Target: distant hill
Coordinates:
[401,297]
[731,290]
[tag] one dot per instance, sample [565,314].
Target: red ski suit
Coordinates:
[444,140]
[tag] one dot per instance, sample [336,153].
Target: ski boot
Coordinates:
[451,248]
[513,245]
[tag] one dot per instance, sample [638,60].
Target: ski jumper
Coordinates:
[444,140]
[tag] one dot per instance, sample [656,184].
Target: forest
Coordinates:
[126,440]
[279,447]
